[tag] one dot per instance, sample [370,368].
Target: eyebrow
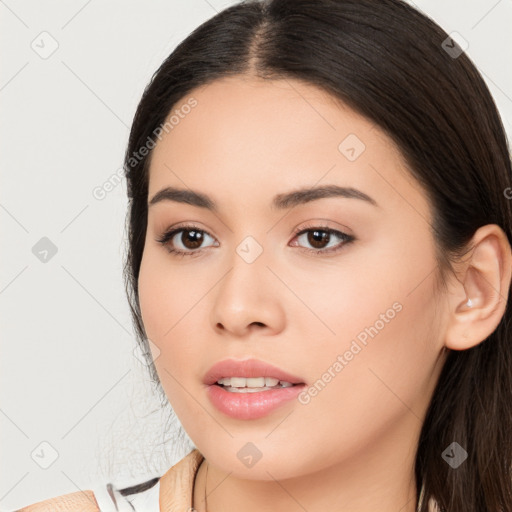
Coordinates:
[280,201]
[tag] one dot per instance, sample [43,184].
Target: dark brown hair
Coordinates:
[391,64]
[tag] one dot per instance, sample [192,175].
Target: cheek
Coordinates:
[171,300]
[170,303]
[380,362]
[361,294]
[153,302]
[166,292]
[376,387]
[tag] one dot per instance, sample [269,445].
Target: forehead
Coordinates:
[250,134]
[242,117]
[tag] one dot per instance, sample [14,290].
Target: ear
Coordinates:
[485,281]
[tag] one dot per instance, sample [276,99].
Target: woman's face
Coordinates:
[354,318]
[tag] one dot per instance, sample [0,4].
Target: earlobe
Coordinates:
[479,299]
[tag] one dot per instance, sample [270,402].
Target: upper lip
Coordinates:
[247,368]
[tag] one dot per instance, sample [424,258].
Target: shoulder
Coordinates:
[81,501]
[178,482]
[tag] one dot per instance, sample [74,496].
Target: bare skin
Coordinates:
[352,446]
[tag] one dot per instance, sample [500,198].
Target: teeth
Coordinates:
[252,382]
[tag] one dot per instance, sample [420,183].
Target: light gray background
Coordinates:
[68,373]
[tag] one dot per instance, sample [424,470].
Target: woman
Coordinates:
[319,265]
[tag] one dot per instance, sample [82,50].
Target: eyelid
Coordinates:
[321,226]
[317,225]
[323,223]
[171,232]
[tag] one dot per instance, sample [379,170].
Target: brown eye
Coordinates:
[184,240]
[188,240]
[191,238]
[319,238]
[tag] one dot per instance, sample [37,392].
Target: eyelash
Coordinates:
[169,235]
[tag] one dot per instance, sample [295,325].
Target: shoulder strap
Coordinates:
[144,486]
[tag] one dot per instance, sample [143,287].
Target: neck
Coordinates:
[377,477]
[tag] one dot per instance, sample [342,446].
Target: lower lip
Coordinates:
[251,406]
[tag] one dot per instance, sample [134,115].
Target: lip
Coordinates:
[253,405]
[247,368]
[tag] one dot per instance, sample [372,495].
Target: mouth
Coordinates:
[250,389]
[252,403]
[249,376]
[253,385]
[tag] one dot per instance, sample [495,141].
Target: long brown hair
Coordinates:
[395,66]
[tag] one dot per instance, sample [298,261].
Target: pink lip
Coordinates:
[247,368]
[248,406]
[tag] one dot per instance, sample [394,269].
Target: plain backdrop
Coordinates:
[75,403]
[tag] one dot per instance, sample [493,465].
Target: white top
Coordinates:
[111,500]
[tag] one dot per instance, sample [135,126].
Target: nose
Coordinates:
[248,298]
